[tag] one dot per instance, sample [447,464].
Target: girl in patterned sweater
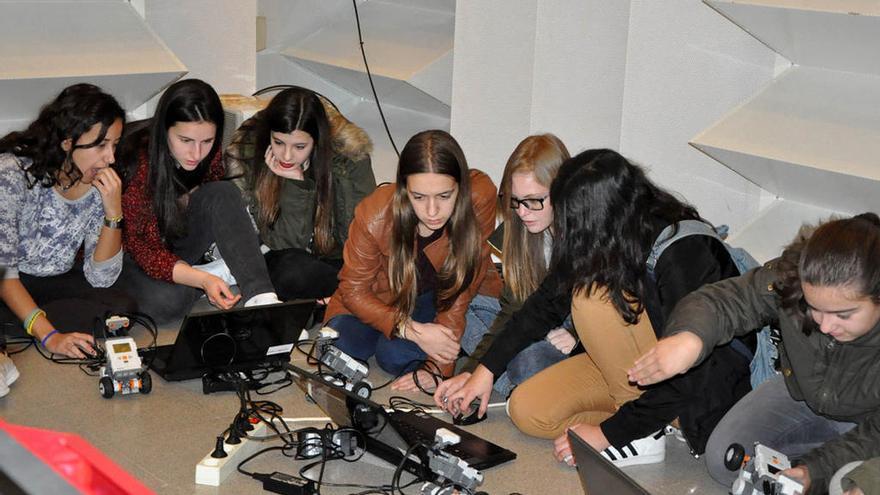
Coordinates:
[58,193]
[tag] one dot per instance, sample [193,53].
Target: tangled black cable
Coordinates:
[370,77]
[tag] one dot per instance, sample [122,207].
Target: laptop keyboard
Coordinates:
[417,427]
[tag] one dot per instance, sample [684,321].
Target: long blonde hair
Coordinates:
[523,261]
[432,152]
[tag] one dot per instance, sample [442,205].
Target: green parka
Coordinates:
[353,180]
[838,380]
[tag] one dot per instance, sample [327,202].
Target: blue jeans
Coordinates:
[481,314]
[770,416]
[528,362]
[398,356]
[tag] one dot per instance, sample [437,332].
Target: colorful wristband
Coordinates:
[43,342]
[28,322]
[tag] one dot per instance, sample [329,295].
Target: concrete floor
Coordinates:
[159,438]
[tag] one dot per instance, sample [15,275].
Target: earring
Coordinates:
[305,165]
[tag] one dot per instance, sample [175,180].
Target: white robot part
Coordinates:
[444,437]
[123,372]
[761,474]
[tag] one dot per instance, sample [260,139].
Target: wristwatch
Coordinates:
[113,223]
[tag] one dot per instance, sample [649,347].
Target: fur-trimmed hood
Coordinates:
[347,138]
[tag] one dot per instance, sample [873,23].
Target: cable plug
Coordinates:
[219,451]
[234,438]
[286,484]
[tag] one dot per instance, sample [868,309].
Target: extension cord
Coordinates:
[212,471]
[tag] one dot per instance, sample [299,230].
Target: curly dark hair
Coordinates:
[70,115]
[838,253]
[607,214]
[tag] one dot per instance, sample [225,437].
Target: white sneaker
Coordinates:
[4,388]
[648,450]
[671,430]
[8,369]
[262,299]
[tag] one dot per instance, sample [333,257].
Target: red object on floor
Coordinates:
[84,467]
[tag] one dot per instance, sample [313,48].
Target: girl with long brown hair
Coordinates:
[415,259]
[302,168]
[526,236]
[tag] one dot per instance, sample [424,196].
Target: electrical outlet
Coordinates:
[212,471]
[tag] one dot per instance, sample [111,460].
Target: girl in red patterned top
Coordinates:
[176,208]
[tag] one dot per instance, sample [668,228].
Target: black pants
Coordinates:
[215,213]
[70,302]
[298,274]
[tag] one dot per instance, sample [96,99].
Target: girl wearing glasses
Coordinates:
[527,239]
[417,268]
[607,217]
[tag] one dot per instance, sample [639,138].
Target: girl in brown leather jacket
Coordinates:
[417,269]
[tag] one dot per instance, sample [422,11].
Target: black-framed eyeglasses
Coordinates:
[534,204]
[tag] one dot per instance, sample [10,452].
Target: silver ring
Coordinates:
[567,458]
[445,399]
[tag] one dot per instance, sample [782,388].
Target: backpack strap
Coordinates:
[675,232]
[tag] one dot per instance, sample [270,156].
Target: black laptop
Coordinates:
[598,475]
[388,435]
[237,339]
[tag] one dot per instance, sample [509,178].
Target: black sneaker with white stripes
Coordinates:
[648,450]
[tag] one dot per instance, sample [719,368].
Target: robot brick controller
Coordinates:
[347,371]
[123,371]
[760,474]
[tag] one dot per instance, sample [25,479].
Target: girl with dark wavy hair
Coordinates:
[176,207]
[823,410]
[607,217]
[302,168]
[417,263]
[58,193]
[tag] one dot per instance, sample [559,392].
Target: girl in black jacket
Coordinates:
[608,216]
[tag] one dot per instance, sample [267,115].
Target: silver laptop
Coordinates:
[598,475]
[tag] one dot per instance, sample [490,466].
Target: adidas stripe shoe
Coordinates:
[648,450]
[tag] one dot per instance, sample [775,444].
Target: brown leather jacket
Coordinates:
[364,288]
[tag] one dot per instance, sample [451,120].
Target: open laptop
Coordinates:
[237,339]
[598,475]
[388,435]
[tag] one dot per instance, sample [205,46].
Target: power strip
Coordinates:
[212,471]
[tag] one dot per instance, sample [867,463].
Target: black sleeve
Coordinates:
[685,266]
[543,311]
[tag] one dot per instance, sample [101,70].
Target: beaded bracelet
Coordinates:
[28,322]
[53,332]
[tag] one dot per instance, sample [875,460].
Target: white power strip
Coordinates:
[212,471]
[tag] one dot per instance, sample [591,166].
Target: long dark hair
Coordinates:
[432,152]
[70,115]
[190,100]
[524,263]
[295,109]
[838,253]
[607,214]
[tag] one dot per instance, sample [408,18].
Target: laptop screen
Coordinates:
[349,410]
[598,475]
[234,340]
